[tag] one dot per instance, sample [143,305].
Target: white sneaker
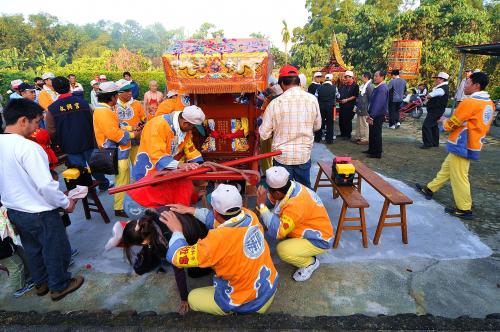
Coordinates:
[305,273]
[398,125]
[392,127]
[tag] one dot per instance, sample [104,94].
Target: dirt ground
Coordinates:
[403,160]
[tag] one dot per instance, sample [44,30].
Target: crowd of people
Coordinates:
[156,135]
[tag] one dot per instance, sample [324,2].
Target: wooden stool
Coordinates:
[91,202]
[351,198]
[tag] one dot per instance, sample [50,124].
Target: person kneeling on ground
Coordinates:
[153,236]
[245,278]
[298,214]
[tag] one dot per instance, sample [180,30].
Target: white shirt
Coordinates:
[291,119]
[437,91]
[25,181]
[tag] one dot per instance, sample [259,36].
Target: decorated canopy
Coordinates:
[336,66]
[217,65]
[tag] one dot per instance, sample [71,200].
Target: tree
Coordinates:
[285,37]
[258,35]
[308,56]
[202,32]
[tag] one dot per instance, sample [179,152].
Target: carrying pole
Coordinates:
[197,171]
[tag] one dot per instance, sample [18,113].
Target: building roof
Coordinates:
[492,49]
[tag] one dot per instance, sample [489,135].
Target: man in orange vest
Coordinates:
[467,127]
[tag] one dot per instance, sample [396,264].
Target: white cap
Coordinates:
[349,73]
[317,74]
[102,77]
[226,197]
[303,79]
[171,93]
[193,114]
[328,77]
[123,85]
[15,83]
[106,87]
[93,82]
[277,177]
[477,70]
[442,75]
[47,76]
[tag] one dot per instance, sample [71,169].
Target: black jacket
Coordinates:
[437,105]
[327,94]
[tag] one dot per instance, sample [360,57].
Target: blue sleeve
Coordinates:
[125,138]
[176,242]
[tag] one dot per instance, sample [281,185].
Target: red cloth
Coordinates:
[171,192]
[42,137]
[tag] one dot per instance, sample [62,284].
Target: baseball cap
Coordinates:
[328,77]
[193,114]
[226,197]
[102,77]
[349,73]
[108,87]
[317,74]
[277,177]
[15,83]
[93,82]
[171,93]
[288,70]
[123,85]
[26,87]
[47,76]
[442,75]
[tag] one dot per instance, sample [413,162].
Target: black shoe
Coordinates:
[378,156]
[317,140]
[424,191]
[463,214]
[121,213]
[329,142]
[367,152]
[425,147]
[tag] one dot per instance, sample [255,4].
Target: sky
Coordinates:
[237,18]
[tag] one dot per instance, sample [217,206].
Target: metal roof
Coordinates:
[492,49]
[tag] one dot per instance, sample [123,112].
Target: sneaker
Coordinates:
[20,292]
[42,289]
[424,191]
[71,262]
[398,125]
[73,285]
[305,273]
[392,127]
[463,214]
[74,252]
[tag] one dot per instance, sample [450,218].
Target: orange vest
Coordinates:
[245,276]
[469,125]
[170,105]
[301,214]
[108,132]
[160,146]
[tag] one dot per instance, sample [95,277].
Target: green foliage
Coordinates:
[205,29]
[309,55]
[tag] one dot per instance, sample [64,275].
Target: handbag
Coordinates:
[104,161]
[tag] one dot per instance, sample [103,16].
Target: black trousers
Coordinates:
[345,122]
[430,129]
[375,136]
[326,122]
[394,112]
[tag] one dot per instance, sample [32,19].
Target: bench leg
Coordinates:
[381,221]
[86,209]
[340,226]
[316,184]
[404,230]
[363,227]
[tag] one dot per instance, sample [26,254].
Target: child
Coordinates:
[10,259]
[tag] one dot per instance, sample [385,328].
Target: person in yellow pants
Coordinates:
[109,134]
[467,126]
[299,216]
[245,278]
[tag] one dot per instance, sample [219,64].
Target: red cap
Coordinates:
[288,70]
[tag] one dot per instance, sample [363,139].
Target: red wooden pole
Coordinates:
[197,171]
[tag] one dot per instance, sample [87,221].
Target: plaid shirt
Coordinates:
[291,119]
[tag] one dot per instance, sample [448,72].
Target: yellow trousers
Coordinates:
[298,252]
[202,299]
[456,170]
[265,146]
[133,153]
[122,178]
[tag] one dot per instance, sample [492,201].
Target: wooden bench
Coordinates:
[352,199]
[391,195]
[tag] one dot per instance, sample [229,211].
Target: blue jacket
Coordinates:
[135,90]
[379,101]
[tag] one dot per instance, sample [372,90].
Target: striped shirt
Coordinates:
[291,119]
